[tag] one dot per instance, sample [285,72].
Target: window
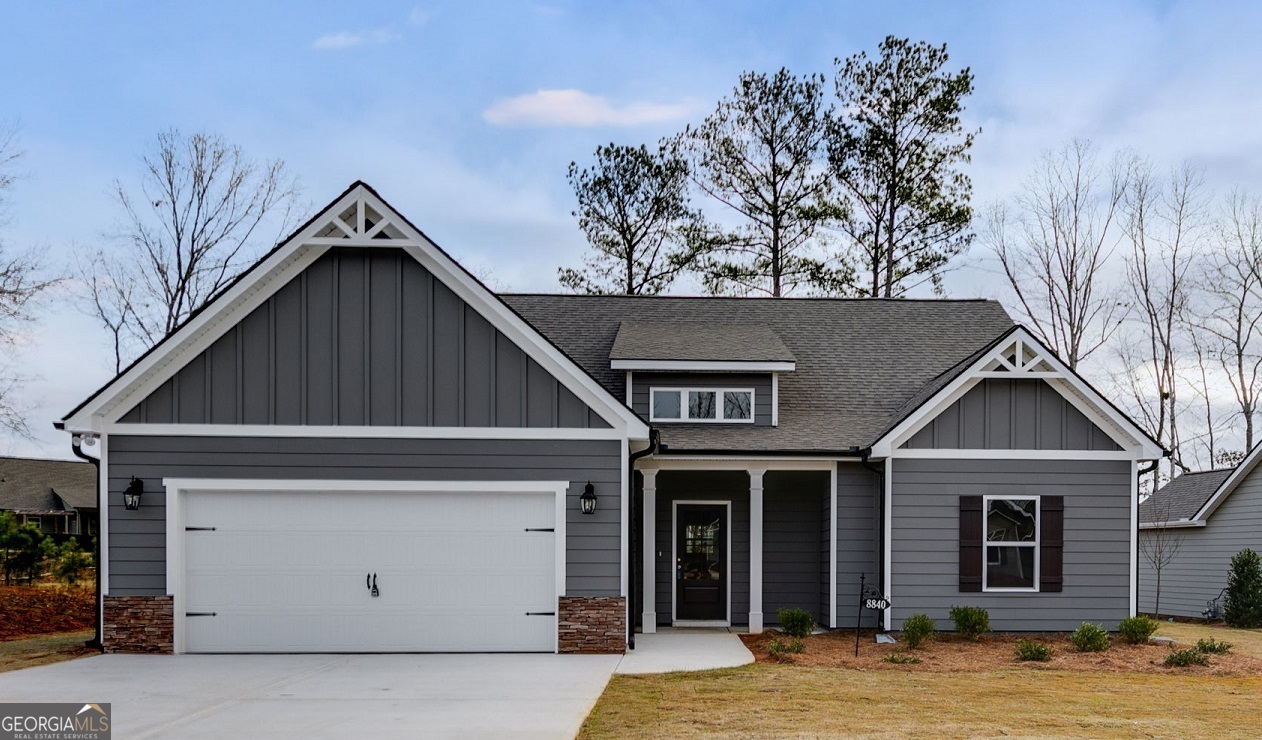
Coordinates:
[1012,544]
[35,522]
[732,405]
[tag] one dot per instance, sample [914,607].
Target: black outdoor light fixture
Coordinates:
[131,497]
[587,502]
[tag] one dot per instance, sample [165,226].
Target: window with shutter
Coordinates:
[1011,543]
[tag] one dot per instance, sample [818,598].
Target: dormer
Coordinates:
[702,373]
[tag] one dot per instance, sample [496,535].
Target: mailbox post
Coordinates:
[869,598]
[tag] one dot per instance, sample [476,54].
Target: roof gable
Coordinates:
[359,218]
[1237,475]
[1181,498]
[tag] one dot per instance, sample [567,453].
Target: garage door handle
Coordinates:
[540,529]
[541,614]
[201,614]
[375,592]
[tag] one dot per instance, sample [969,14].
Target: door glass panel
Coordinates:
[701,404]
[701,551]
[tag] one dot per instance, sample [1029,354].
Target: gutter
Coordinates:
[633,551]
[76,443]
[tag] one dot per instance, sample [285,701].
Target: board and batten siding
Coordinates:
[1198,572]
[642,384]
[137,539]
[365,337]
[925,540]
[1001,414]
[858,538]
[793,576]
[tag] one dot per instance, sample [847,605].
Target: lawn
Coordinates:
[768,699]
[33,651]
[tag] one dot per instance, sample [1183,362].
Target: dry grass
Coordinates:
[958,690]
[33,651]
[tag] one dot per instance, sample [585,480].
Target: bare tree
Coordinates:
[1230,316]
[758,154]
[188,228]
[1163,223]
[21,284]
[1159,545]
[1053,243]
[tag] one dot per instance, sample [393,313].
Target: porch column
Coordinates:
[649,510]
[755,550]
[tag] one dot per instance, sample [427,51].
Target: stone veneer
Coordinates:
[592,624]
[139,624]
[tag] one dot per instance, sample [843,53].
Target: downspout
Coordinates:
[633,551]
[865,459]
[1138,476]
[76,442]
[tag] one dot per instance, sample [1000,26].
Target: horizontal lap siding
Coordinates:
[858,536]
[1198,572]
[137,539]
[925,546]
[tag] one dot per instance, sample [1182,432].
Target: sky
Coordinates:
[465,115]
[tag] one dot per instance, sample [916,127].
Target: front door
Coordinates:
[701,562]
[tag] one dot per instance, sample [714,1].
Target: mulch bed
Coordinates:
[947,652]
[41,610]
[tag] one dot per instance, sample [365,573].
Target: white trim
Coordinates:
[981,454]
[775,399]
[720,404]
[361,432]
[1177,524]
[103,523]
[887,588]
[674,562]
[705,462]
[121,394]
[1070,386]
[630,386]
[175,520]
[832,548]
[648,610]
[1134,549]
[1037,544]
[755,549]
[703,366]
[624,527]
[1242,470]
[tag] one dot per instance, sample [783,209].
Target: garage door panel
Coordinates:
[285,571]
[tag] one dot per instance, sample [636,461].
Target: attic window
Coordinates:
[707,405]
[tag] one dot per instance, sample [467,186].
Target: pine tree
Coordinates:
[1244,591]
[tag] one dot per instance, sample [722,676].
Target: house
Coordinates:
[1202,520]
[359,447]
[57,496]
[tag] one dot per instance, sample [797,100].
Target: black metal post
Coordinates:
[858,617]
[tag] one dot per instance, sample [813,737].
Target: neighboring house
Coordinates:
[1211,516]
[58,496]
[357,446]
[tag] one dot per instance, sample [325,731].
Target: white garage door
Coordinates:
[289,571]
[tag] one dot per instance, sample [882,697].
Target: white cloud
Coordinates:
[576,108]
[351,39]
[418,17]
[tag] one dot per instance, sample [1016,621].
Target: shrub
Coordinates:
[1244,591]
[1090,638]
[795,622]
[970,621]
[900,658]
[778,647]
[1210,646]
[916,629]
[1033,650]
[1137,629]
[1185,658]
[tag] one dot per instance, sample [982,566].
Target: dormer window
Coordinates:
[706,405]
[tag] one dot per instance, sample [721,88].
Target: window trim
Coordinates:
[718,404]
[1037,544]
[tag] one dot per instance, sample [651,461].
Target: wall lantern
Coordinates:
[131,497]
[587,502]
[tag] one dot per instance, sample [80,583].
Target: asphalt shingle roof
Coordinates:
[30,484]
[859,362]
[1182,497]
[699,342]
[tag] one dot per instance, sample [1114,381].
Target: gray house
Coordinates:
[1204,519]
[359,447]
[57,496]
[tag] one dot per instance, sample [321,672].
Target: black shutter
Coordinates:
[971,554]
[1052,543]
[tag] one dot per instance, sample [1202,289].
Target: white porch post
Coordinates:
[755,550]
[649,510]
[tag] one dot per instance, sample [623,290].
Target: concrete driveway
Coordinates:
[342,696]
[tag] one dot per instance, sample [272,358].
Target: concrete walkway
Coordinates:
[335,696]
[672,649]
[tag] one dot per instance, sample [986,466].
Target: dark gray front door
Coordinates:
[701,562]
